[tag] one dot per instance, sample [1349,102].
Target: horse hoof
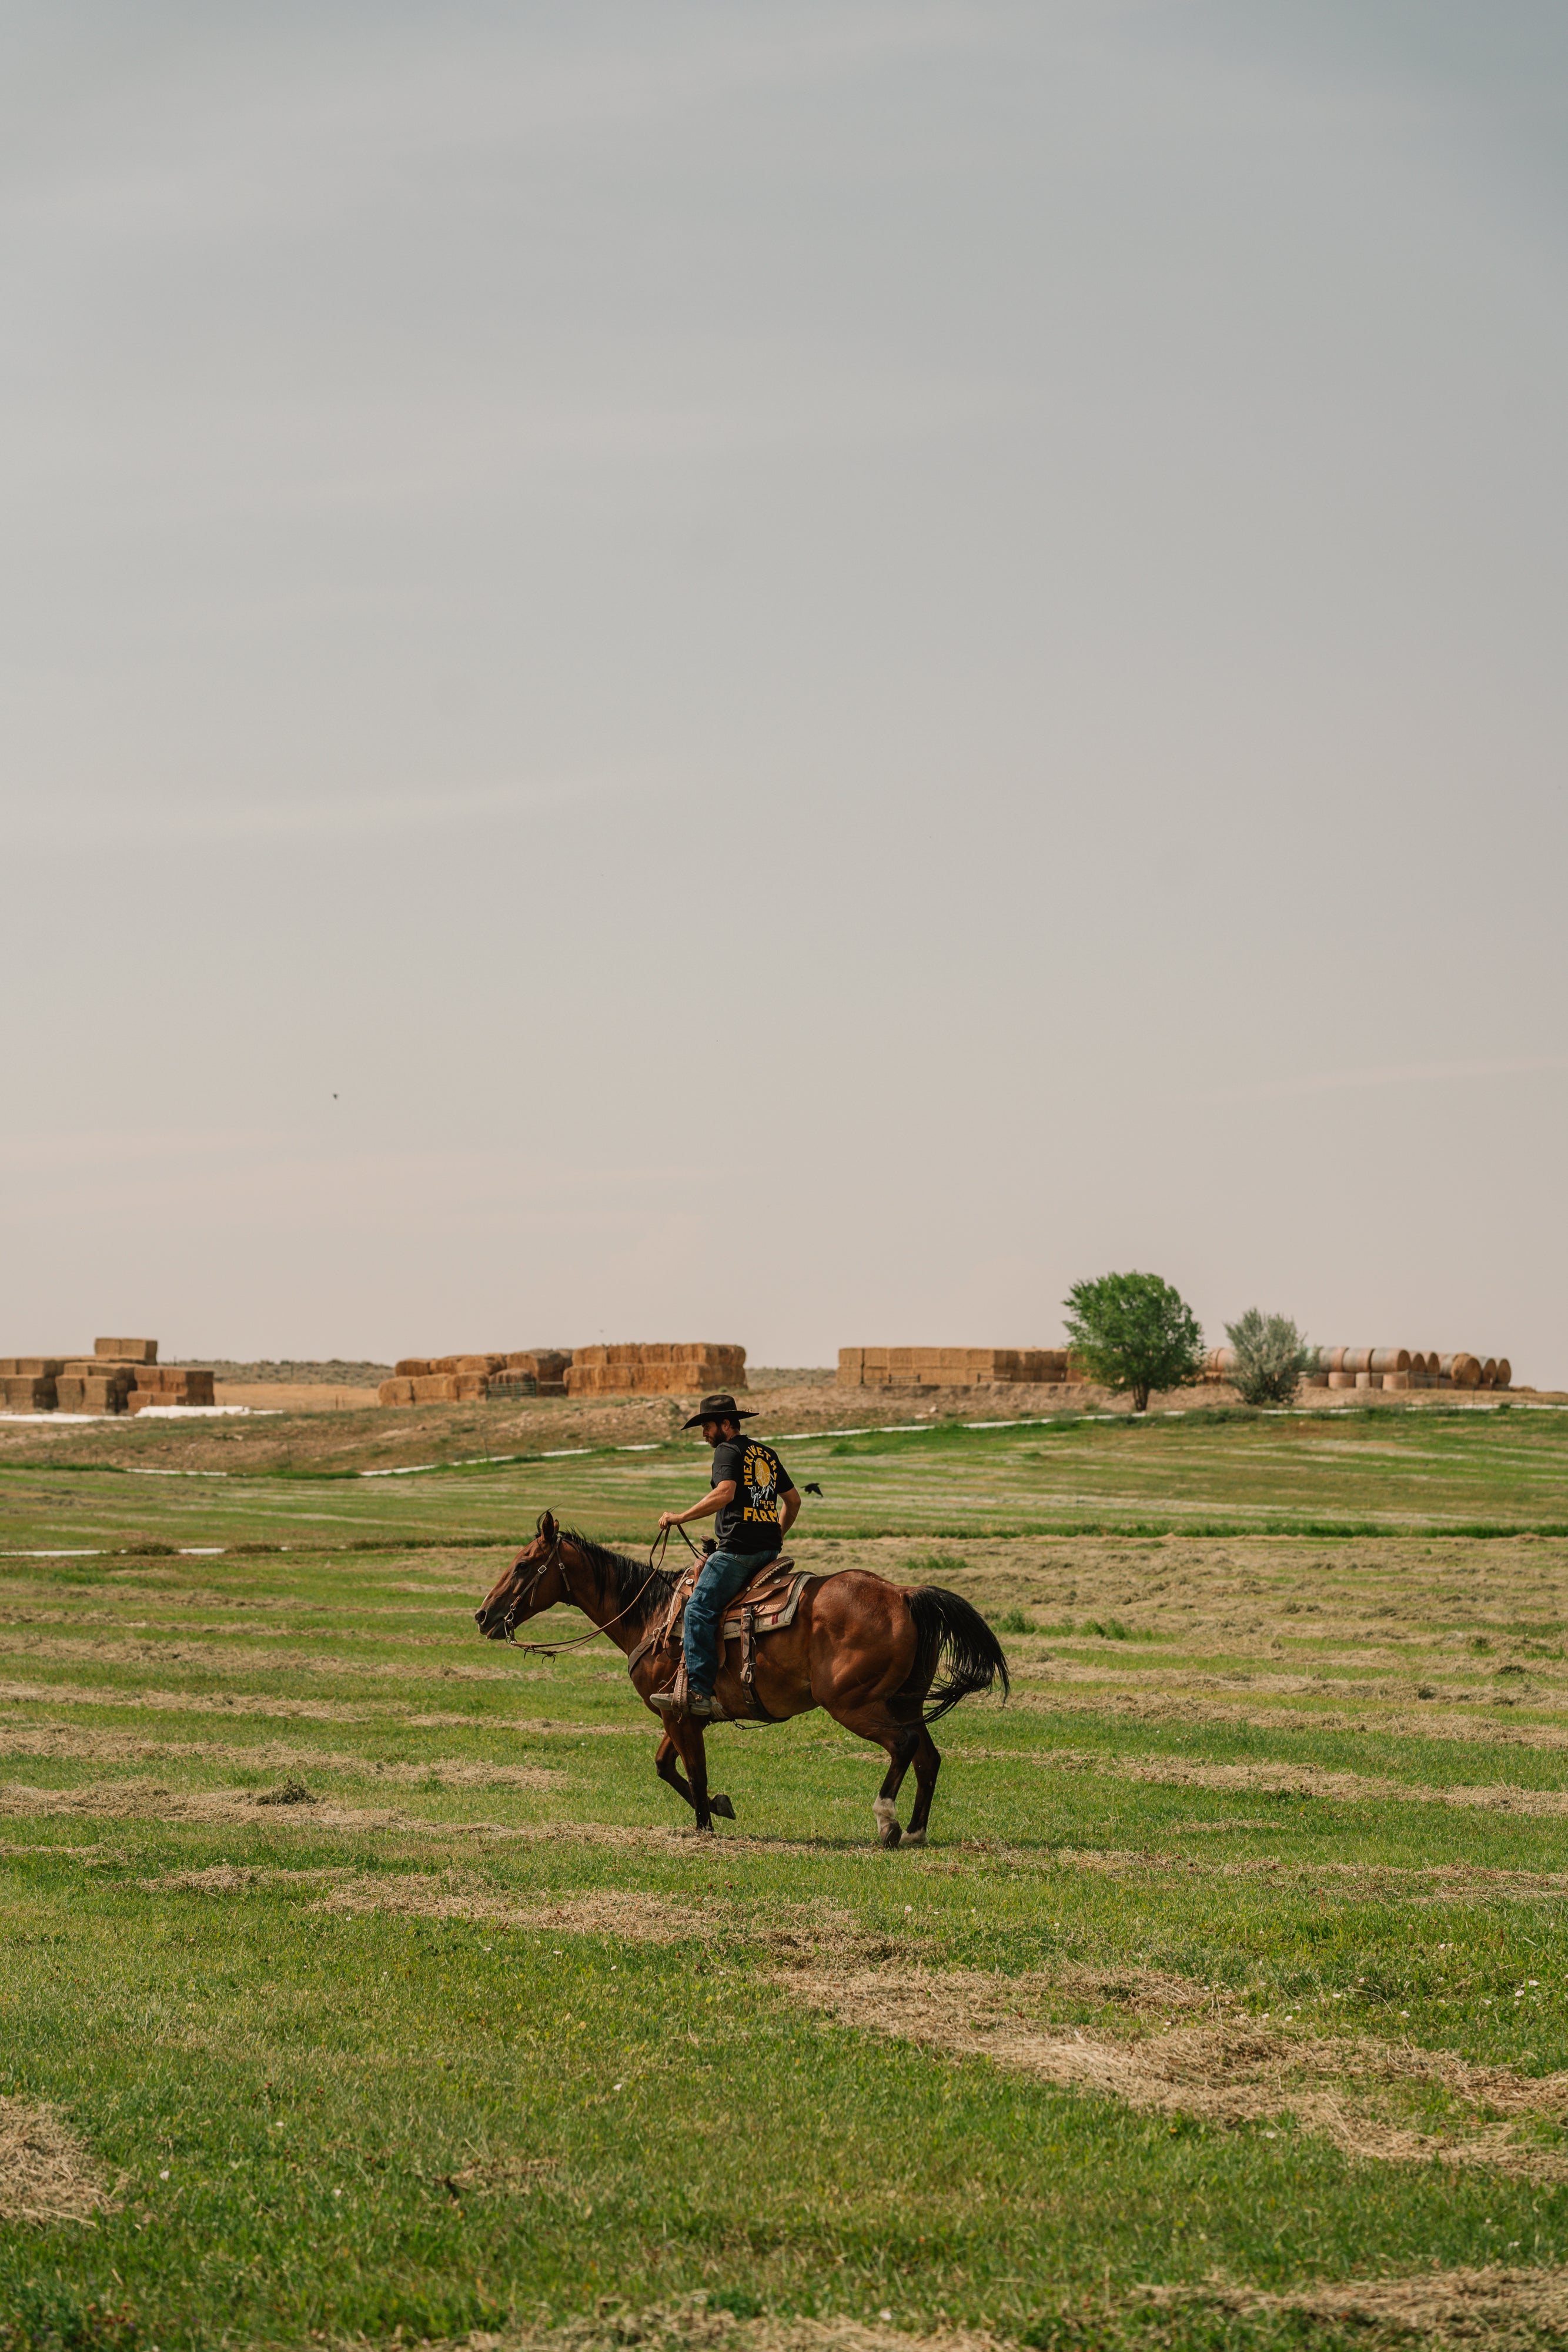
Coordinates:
[722,1806]
[892,1836]
[912,1837]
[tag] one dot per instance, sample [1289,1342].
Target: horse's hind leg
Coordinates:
[927,1764]
[878,1723]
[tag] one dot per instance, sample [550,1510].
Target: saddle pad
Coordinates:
[774,1603]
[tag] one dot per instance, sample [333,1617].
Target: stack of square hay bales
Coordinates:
[120,1376]
[954,1368]
[171,1384]
[532,1371]
[29,1383]
[156,1383]
[657,1368]
[468,1380]
[106,1381]
[95,1385]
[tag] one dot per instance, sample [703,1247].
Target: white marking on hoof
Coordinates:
[912,1837]
[886,1820]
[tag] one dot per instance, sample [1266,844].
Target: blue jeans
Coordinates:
[722,1578]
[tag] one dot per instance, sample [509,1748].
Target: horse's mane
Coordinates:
[631,1584]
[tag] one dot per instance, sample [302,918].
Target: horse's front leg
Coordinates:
[687,1737]
[667,1765]
[668,1769]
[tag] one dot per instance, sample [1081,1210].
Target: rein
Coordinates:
[656,1551]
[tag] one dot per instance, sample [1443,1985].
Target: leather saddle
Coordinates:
[765,1605]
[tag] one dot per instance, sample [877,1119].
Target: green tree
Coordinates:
[1134,1331]
[1271,1357]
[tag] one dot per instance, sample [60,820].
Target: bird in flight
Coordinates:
[812,1487]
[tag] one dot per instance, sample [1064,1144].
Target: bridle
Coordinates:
[526,1592]
[515,1609]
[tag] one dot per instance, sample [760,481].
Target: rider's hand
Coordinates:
[669,1518]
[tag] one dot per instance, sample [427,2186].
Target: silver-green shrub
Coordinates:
[1271,1357]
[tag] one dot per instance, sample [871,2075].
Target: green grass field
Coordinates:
[1459,1469]
[1231,1989]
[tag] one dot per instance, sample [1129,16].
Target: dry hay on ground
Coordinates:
[232,1878]
[1281,1780]
[1156,1709]
[270,1754]
[1501,2308]
[691,2327]
[143,1801]
[1496,2306]
[608,1911]
[1230,2070]
[822,1933]
[799,1934]
[234,1657]
[46,2174]
[161,1702]
[306,1710]
[497,2176]
[545,1725]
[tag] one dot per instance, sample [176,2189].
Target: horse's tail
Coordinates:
[948,1628]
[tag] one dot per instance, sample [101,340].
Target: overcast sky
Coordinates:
[778,672]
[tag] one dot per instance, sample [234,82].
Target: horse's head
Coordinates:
[535,1581]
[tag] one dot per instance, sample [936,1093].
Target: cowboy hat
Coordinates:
[716,1408]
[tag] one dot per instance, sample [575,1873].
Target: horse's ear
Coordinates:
[547,1525]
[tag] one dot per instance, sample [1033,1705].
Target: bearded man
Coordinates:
[754,1500]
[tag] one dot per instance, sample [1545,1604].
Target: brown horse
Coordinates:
[866,1650]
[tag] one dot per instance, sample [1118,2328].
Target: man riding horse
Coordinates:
[754,1500]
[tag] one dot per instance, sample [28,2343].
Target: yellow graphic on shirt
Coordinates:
[759,1477]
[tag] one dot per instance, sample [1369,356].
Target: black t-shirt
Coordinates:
[750,1523]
